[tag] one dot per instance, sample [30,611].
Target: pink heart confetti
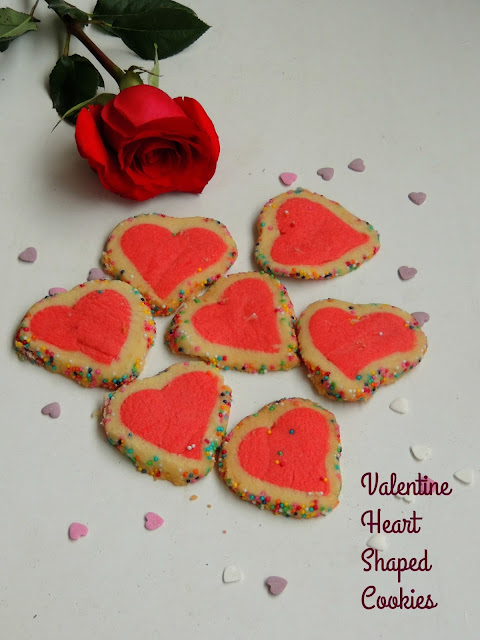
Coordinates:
[276,585]
[97,274]
[417,197]
[77,530]
[421,317]
[28,255]
[326,173]
[153,521]
[288,178]
[427,486]
[52,410]
[406,273]
[357,165]
[54,290]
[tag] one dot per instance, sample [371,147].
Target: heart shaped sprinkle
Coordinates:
[28,255]
[276,585]
[97,274]
[231,574]
[409,497]
[421,317]
[399,405]
[288,178]
[77,530]
[153,521]
[417,197]
[426,485]
[378,541]
[357,165]
[464,475]
[406,273]
[421,451]
[54,290]
[52,410]
[326,173]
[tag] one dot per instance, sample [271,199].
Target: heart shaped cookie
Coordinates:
[244,321]
[304,235]
[168,259]
[96,334]
[352,349]
[170,425]
[285,459]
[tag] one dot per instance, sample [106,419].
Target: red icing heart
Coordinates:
[351,346]
[164,260]
[244,318]
[97,325]
[311,234]
[176,416]
[302,459]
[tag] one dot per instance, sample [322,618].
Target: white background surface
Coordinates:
[290,86]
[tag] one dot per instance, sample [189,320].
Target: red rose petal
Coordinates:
[197,113]
[143,103]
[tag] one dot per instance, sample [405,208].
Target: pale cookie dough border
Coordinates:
[270,497]
[118,265]
[77,365]
[182,337]
[268,232]
[330,381]
[152,460]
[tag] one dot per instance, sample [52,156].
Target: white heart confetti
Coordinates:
[399,405]
[421,451]
[378,541]
[464,475]
[231,574]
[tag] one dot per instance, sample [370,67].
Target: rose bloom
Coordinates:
[143,143]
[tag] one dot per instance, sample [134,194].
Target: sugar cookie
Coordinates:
[352,349]
[285,459]
[97,334]
[169,259]
[305,235]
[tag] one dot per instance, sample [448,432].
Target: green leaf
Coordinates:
[14,24]
[101,99]
[154,75]
[73,80]
[64,9]
[143,23]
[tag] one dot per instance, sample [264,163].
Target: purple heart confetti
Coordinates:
[288,178]
[54,290]
[407,273]
[153,521]
[326,173]
[77,530]
[421,317]
[28,255]
[52,410]
[97,274]
[276,585]
[357,165]
[417,197]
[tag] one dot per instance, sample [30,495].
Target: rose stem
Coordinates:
[76,30]
[66,46]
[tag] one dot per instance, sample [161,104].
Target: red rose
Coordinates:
[143,143]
